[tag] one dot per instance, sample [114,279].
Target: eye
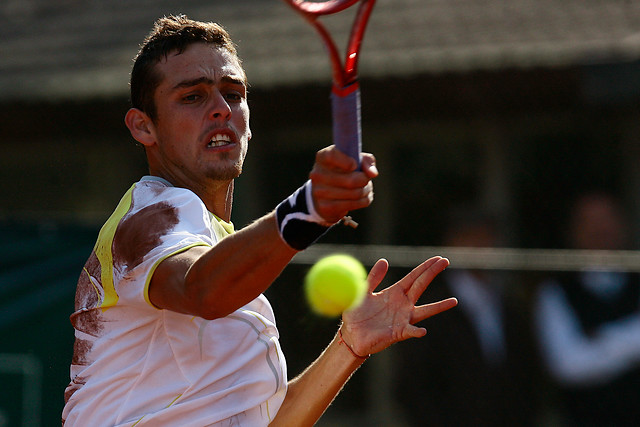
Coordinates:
[191,98]
[233,96]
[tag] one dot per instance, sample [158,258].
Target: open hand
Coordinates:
[389,316]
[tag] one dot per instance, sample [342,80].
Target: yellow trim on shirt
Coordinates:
[104,245]
[157,263]
[221,228]
[103,248]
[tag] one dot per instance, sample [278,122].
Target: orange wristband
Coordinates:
[349,348]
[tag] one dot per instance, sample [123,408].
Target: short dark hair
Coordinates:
[169,34]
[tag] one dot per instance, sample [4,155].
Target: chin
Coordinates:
[225,174]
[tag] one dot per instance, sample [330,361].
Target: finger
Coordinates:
[332,158]
[412,331]
[368,165]
[341,189]
[422,276]
[338,208]
[428,310]
[377,273]
[348,179]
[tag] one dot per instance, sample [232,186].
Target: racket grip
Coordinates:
[347,133]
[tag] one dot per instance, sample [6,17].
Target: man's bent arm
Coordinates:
[213,282]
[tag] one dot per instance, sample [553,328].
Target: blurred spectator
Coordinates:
[588,324]
[472,368]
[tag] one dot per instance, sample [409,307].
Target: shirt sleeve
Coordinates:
[162,222]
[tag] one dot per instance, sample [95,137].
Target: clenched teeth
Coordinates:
[219,140]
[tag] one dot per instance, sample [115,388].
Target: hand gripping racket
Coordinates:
[345,94]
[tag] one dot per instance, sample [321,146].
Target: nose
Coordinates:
[220,108]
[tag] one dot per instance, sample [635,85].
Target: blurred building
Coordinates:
[513,106]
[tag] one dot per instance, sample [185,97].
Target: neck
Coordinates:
[218,198]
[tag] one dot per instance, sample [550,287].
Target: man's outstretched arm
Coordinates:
[383,319]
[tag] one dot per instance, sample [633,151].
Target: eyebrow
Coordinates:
[208,81]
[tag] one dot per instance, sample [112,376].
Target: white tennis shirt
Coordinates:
[134,364]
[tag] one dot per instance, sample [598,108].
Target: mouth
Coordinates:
[219,140]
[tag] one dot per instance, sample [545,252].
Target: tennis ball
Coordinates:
[336,283]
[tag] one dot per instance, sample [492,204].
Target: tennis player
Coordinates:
[171,324]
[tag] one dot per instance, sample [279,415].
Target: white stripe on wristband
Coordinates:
[298,222]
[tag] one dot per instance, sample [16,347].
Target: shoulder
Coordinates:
[150,192]
[161,205]
[160,216]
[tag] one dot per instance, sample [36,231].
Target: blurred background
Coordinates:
[495,125]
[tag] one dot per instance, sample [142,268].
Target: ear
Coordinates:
[140,126]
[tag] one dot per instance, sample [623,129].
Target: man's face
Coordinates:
[202,123]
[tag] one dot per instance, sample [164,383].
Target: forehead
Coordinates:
[199,60]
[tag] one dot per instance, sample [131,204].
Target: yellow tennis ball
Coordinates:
[336,283]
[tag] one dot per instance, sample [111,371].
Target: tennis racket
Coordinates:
[345,93]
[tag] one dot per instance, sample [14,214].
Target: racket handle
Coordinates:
[347,133]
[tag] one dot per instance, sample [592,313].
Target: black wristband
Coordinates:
[298,222]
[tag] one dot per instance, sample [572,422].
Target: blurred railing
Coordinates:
[483,258]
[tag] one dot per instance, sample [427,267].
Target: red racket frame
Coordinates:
[345,91]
